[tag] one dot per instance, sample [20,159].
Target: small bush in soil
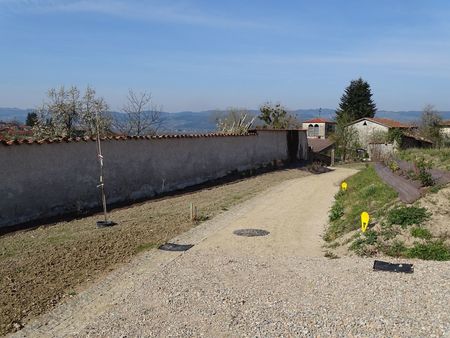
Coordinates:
[361,245]
[388,231]
[436,251]
[435,189]
[405,216]
[337,211]
[419,232]
[424,175]
[396,249]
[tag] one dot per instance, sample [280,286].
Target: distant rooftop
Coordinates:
[385,122]
[318,120]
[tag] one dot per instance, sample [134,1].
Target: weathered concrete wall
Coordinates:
[40,181]
[366,132]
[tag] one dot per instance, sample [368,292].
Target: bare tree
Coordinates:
[346,138]
[142,117]
[430,125]
[277,117]
[67,113]
[235,121]
[94,114]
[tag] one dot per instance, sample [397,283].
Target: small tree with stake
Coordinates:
[105,222]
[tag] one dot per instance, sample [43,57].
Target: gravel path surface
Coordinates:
[259,286]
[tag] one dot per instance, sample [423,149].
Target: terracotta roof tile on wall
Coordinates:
[390,123]
[117,138]
[385,122]
[319,120]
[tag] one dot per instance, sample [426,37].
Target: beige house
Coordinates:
[369,126]
[319,128]
[445,128]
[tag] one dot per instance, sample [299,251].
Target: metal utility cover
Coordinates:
[251,232]
[392,267]
[175,247]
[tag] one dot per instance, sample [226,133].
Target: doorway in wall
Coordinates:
[292,145]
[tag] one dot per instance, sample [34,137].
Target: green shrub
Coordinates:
[405,216]
[388,231]
[371,237]
[424,175]
[419,232]
[359,245]
[435,189]
[396,249]
[436,251]
[337,211]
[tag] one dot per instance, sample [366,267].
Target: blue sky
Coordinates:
[198,55]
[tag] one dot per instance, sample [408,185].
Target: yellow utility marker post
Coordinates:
[365,218]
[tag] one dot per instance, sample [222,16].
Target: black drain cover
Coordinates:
[251,232]
[386,266]
[175,247]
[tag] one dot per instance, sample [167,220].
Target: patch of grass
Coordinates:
[361,244]
[332,245]
[433,250]
[365,192]
[424,174]
[371,237]
[405,216]
[419,232]
[388,231]
[396,249]
[440,157]
[435,189]
[145,246]
[331,255]
[337,211]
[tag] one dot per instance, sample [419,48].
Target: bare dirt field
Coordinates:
[41,267]
[275,285]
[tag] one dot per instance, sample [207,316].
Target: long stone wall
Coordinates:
[50,179]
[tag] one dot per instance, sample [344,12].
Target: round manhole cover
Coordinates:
[251,232]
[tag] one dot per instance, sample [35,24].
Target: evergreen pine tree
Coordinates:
[356,102]
[31,119]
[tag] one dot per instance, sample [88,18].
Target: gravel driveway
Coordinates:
[276,285]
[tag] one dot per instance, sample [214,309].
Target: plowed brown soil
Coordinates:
[41,267]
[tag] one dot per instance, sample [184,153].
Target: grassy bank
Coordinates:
[366,192]
[417,231]
[439,157]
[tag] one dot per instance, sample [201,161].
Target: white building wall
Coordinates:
[365,131]
[321,133]
[445,131]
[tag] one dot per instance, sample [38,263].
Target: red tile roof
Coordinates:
[385,122]
[118,138]
[318,120]
[445,123]
[318,144]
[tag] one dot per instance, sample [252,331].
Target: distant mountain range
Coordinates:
[203,121]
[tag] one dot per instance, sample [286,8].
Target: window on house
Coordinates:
[310,130]
[316,130]
[365,123]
